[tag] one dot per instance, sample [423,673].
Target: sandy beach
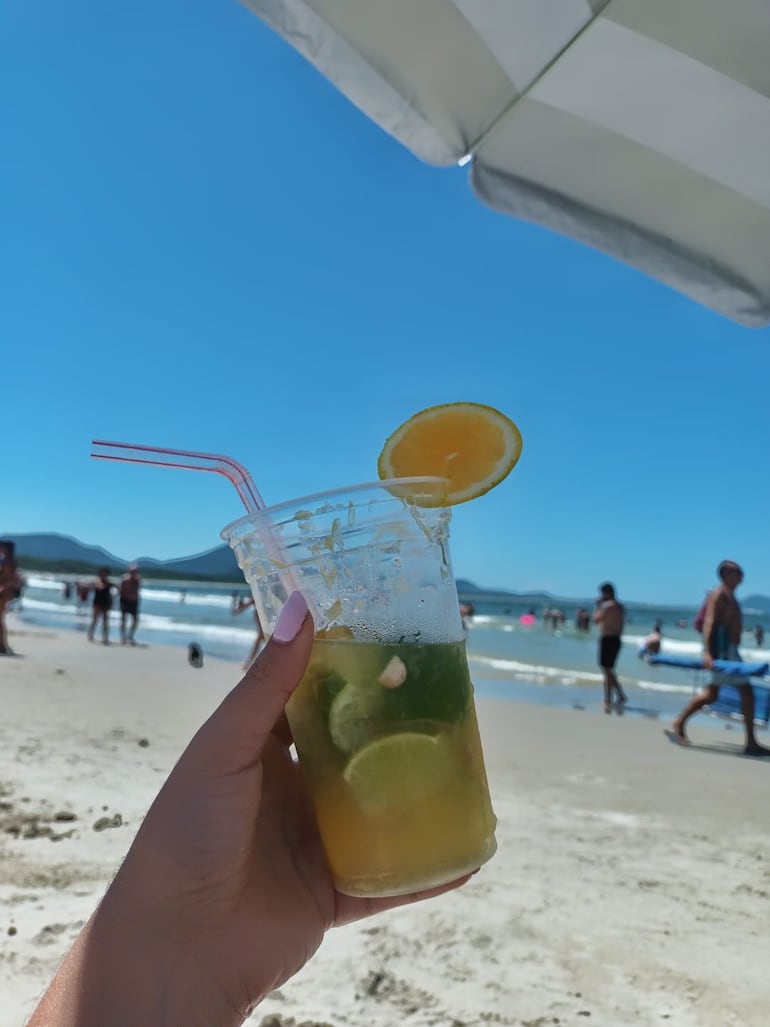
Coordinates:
[631,886]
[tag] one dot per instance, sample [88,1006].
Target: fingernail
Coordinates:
[291,618]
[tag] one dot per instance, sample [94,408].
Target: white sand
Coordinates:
[631,885]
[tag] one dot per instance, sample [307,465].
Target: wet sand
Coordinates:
[631,886]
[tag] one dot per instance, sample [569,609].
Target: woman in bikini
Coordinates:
[101,605]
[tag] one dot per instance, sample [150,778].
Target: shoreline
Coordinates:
[631,881]
[661,703]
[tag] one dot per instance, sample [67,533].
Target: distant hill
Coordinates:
[61,554]
[61,548]
[753,605]
[216,565]
[466,590]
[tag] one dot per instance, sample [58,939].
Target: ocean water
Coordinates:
[171,613]
[507,659]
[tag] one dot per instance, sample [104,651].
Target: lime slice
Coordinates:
[398,768]
[470,445]
[356,716]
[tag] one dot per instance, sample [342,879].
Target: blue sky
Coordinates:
[205,246]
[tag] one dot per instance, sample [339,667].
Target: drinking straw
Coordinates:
[186,460]
[189,460]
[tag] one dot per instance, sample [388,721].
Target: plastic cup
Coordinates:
[383,721]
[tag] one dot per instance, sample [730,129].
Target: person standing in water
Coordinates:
[610,615]
[651,645]
[101,604]
[129,604]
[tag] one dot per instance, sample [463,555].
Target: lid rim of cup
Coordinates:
[228,532]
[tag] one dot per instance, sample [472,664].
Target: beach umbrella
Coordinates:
[640,127]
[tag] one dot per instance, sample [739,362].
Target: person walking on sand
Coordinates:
[101,604]
[722,627]
[129,604]
[610,615]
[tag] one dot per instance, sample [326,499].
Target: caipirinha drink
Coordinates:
[383,719]
[390,748]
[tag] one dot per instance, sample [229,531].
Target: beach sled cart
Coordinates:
[728,703]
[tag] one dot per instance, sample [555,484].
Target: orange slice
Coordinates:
[471,445]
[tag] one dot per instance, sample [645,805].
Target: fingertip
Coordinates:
[291,618]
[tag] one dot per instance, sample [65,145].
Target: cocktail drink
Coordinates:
[390,747]
[383,720]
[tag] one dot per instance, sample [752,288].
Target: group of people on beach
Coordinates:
[103,592]
[721,622]
[253,907]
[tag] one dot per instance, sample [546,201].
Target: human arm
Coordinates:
[10,585]
[242,604]
[225,892]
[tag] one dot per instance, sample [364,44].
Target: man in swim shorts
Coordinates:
[722,627]
[129,604]
[610,615]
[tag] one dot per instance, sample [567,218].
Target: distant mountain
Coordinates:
[61,547]
[216,565]
[62,554]
[467,590]
[753,605]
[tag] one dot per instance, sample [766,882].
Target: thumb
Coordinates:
[237,731]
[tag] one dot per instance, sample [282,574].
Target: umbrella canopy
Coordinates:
[640,127]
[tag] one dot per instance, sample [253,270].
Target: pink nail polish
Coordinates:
[291,618]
